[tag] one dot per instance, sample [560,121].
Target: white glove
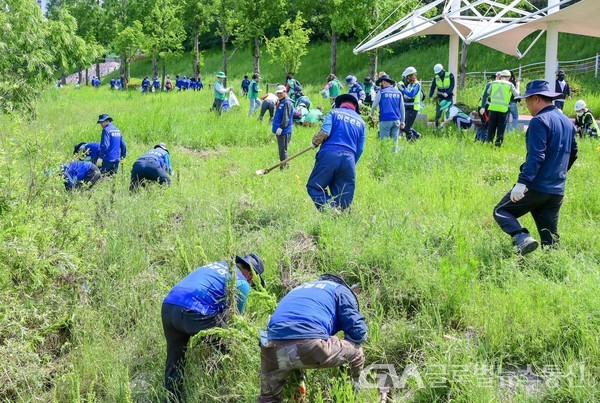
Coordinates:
[481,111]
[442,126]
[518,192]
[99,162]
[402,125]
[444,94]
[278,131]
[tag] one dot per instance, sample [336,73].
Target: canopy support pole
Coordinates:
[552,44]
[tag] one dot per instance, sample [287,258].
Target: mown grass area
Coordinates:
[82,275]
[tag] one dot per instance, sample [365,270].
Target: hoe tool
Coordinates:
[266,171]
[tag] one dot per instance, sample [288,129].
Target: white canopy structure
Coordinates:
[463,19]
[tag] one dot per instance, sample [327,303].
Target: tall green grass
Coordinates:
[82,275]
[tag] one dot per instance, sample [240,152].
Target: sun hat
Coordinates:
[220,74]
[162,145]
[539,87]
[384,77]
[445,105]
[255,263]
[346,98]
[104,117]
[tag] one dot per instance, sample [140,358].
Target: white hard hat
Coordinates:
[437,68]
[505,73]
[579,105]
[410,70]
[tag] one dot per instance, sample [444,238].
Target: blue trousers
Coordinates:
[147,169]
[333,179]
[109,167]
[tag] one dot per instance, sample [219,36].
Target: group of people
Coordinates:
[299,335]
[97,159]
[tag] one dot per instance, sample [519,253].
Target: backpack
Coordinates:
[297,86]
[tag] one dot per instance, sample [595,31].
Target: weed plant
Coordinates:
[83,274]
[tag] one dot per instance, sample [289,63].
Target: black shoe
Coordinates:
[524,243]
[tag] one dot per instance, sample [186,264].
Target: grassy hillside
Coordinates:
[82,275]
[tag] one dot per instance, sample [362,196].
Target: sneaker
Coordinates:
[524,243]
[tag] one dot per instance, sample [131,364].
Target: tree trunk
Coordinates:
[98,70]
[154,66]
[373,60]
[164,72]
[256,55]
[87,76]
[63,78]
[196,56]
[333,68]
[224,54]
[463,65]
[80,75]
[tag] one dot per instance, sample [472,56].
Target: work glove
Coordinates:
[319,138]
[481,111]
[99,162]
[518,192]
[278,131]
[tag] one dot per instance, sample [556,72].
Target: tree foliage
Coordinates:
[290,45]
[129,42]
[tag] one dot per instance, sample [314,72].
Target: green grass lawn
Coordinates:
[82,275]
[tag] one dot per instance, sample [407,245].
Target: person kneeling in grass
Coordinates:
[154,166]
[301,334]
[453,114]
[78,174]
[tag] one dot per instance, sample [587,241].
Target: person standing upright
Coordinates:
[245,86]
[562,86]
[540,188]
[498,97]
[333,87]
[253,90]
[444,83]
[283,122]
[391,109]
[112,146]
[220,93]
[412,100]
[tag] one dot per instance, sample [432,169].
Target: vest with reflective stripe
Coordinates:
[413,103]
[499,96]
[442,84]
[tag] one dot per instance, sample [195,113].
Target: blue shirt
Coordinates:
[346,131]
[161,156]
[156,83]
[551,150]
[112,145]
[75,171]
[284,116]
[146,82]
[391,104]
[92,151]
[357,91]
[204,290]
[317,310]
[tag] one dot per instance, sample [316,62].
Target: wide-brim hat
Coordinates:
[162,145]
[384,77]
[343,98]
[445,105]
[104,117]
[539,87]
[220,74]
[255,263]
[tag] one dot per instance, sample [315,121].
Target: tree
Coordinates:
[196,15]
[69,50]
[224,12]
[290,45]
[26,62]
[165,33]
[128,44]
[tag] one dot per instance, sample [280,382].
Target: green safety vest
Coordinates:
[334,90]
[218,95]
[414,102]
[499,96]
[442,84]
[593,129]
[251,93]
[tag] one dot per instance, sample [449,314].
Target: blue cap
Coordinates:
[539,87]
[104,117]
[255,263]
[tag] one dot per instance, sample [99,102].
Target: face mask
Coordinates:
[561,77]
[580,113]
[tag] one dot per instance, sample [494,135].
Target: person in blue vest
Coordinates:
[551,151]
[301,334]
[355,89]
[220,93]
[245,86]
[78,174]
[342,139]
[112,145]
[199,302]
[113,83]
[156,84]
[497,97]
[444,83]
[146,84]
[391,109]
[153,166]
[199,84]
[252,92]
[283,122]
[88,152]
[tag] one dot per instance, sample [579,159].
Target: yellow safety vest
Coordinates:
[415,102]
[442,84]
[499,96]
